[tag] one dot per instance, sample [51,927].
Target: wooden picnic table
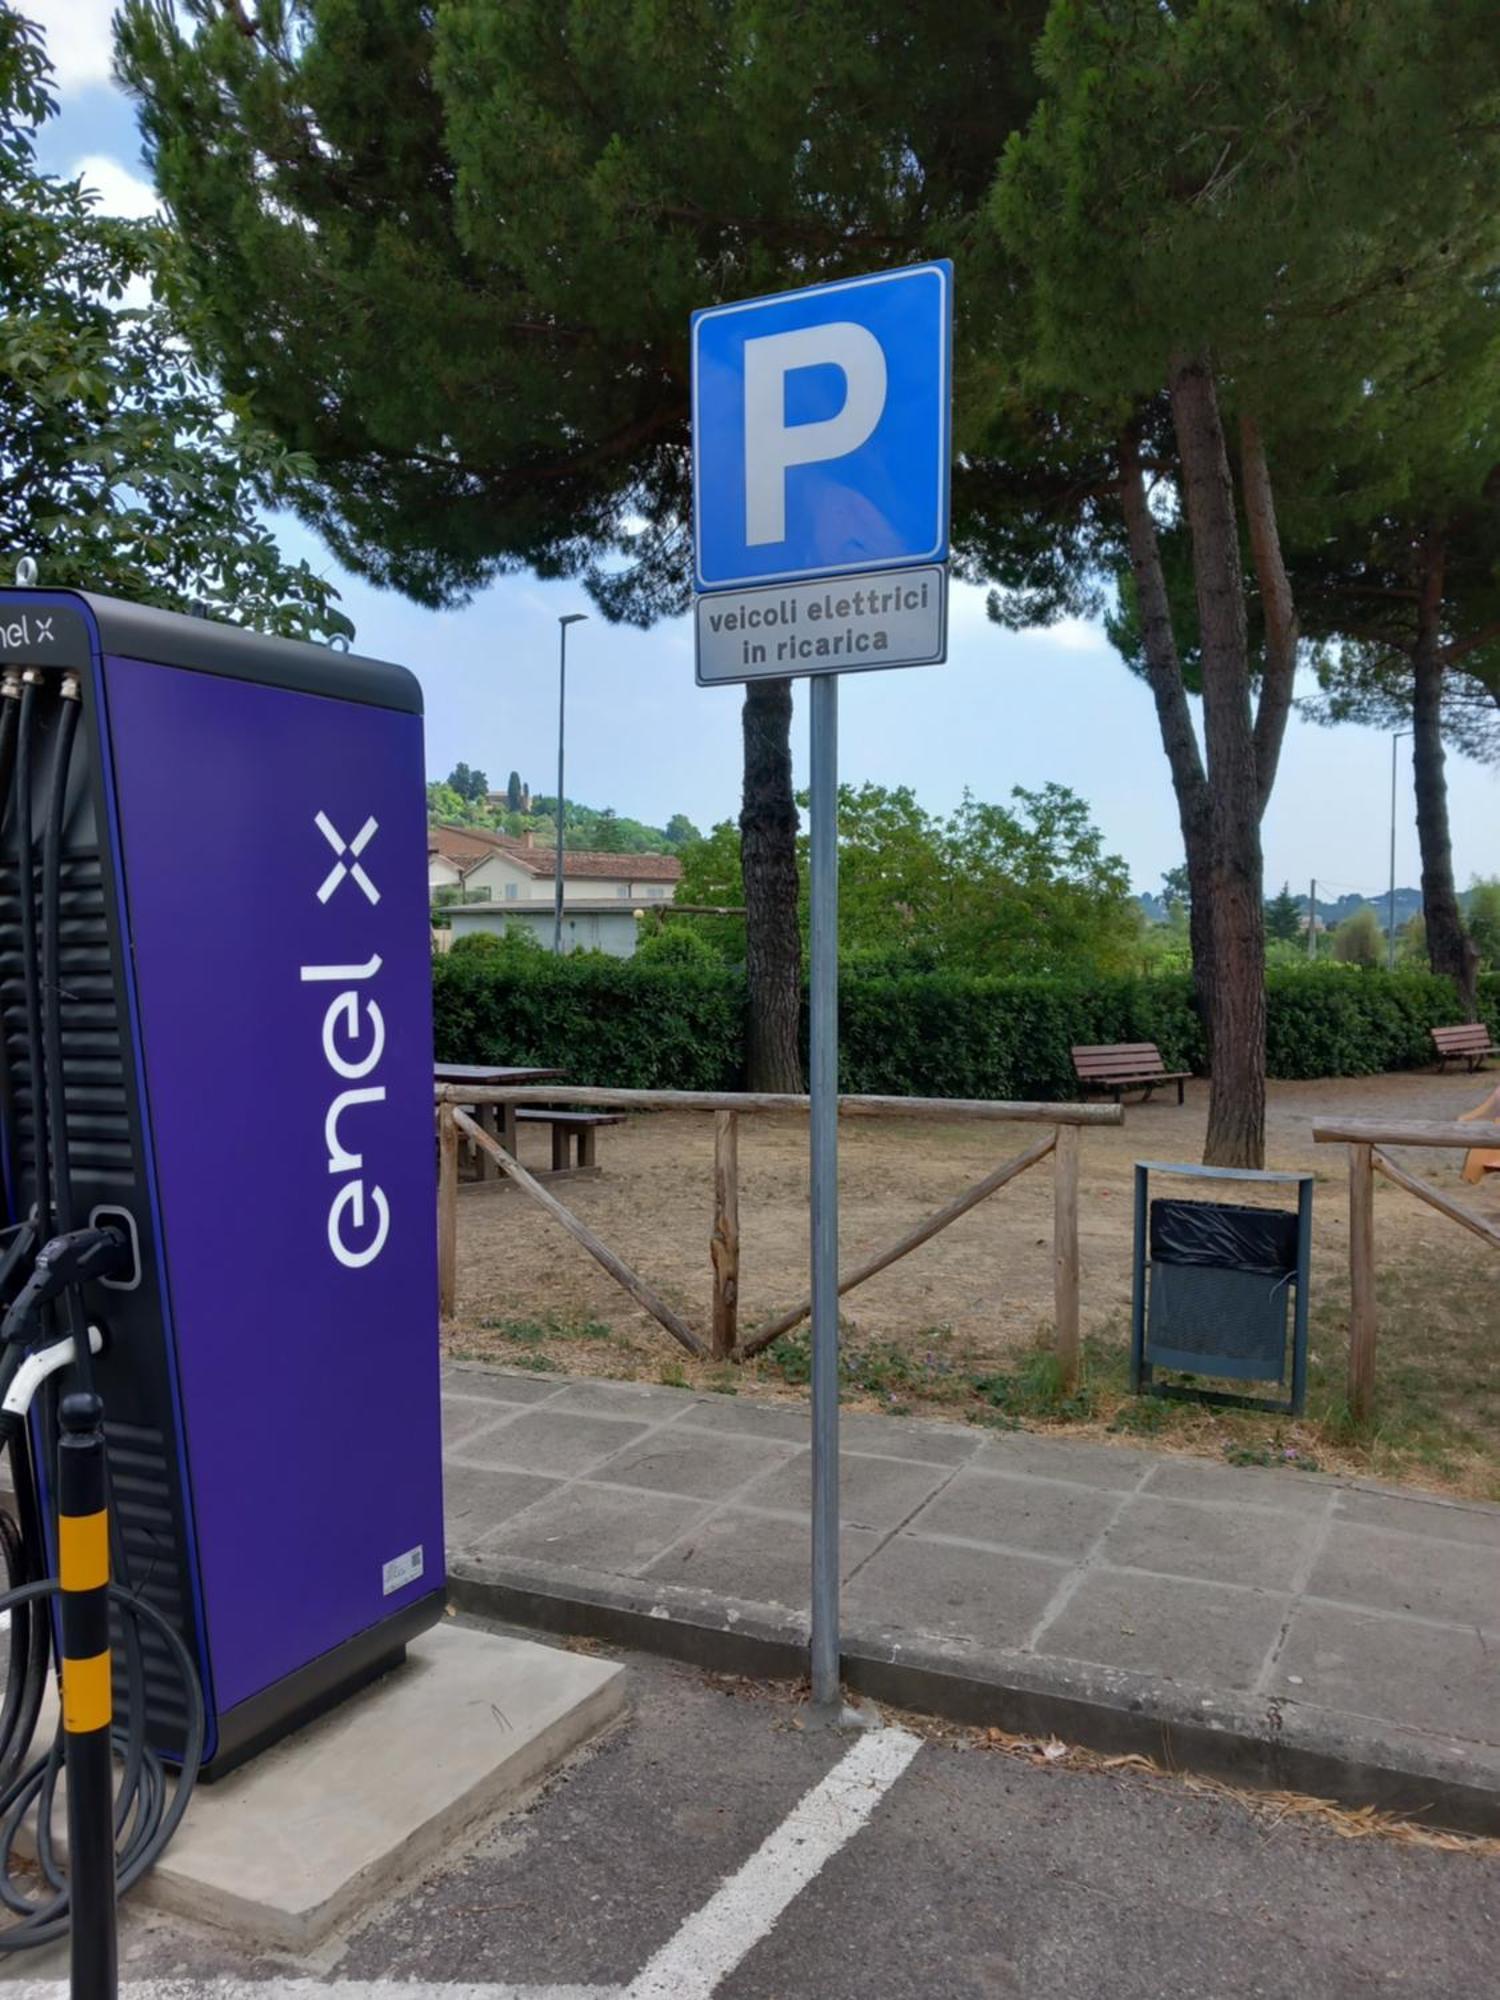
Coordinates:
[499,1120]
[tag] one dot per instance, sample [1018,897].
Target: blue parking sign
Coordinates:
[821,429]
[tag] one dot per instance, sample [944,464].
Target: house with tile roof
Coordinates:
[491,867]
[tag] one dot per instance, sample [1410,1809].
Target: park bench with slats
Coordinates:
[1470,1043]
[1121,1066]
[584,1123]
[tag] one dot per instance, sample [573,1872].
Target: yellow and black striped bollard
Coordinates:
[88,1708]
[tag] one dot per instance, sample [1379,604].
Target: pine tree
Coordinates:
[122,467]
[453,248]
[1232,219]
[1284,916]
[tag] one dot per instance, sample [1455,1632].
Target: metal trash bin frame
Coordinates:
[1142,1370]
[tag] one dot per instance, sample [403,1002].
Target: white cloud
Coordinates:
[120,191]
[80,39]
[1070,635]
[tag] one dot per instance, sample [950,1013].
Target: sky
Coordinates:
[1007,709]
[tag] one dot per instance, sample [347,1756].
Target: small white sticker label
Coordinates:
[402,1570]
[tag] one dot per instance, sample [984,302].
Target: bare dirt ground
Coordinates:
[980,1295]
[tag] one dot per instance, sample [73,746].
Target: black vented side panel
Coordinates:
[143,1483]
[107,1151]
[98,1107]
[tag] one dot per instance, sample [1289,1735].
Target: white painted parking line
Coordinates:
[746,1906]
[312,1989]
[742,1911]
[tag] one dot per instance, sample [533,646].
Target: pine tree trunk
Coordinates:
[1279,665]
[1237,1096]
[1449,948]
[768,854]
[1164,677]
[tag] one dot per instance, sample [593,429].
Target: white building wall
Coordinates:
[583,930]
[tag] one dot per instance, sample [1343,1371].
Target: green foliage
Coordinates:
[1333,1020]
[513,792]
[122,467]
[471,786]
[454,247]
[1411,945]
[676,944]
[1482,919]
[1025,887]
[619,1022]
[951,1034]
[1359,940]
[1284,916]
[516,945]
[604,1020]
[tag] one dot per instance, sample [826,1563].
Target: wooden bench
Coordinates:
[584,1123]
[1470,1043]
[1121,1066]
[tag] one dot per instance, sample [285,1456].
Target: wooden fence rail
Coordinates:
[1366,1141]
[725,1341]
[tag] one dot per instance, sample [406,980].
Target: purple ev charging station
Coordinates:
[245,999]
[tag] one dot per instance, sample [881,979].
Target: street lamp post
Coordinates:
[568,618]
[1390,929]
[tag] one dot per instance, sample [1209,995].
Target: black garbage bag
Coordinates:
[1228,1236]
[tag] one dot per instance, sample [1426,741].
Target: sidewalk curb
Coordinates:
[1267,1745]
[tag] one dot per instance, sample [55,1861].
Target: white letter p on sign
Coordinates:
[771,446]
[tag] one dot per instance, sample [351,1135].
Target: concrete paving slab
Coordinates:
[598,1528]
[463,1416]
[316,1828]
[1042,1518]
[476,1501]
[753,1559]
[1441,1520]
[1395,1672]
[497,1385]
[972,1599]
[908,1437]
[648,1400]
[748,1418]
[1201,1634]
[692,1462]
[1114,1596]
[1216,1485]
[1454,1581]
[873,1492]
[541,1441]
[1116,1468]
[1246,1545]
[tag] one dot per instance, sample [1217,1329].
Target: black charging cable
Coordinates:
[37,1282]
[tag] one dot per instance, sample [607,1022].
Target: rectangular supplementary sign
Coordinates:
[886,618]
[821,429]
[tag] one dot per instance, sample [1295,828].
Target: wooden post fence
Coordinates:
[457,1103]
[724,1250]
[1065,1253]
[1365,1142]
[447,1209]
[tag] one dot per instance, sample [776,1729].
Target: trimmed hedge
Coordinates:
[603,1020]
[670,1027]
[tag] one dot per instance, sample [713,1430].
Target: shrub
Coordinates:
[604,1020]
[643,1025]
[516,941]
[675,944]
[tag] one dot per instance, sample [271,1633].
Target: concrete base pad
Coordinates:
[308,1833]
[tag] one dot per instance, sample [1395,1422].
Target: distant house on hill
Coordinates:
[471,869]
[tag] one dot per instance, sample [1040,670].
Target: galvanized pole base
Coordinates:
[823,1086]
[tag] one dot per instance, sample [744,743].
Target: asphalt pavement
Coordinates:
[974,1873]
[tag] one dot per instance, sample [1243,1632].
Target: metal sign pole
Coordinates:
[823,1081]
